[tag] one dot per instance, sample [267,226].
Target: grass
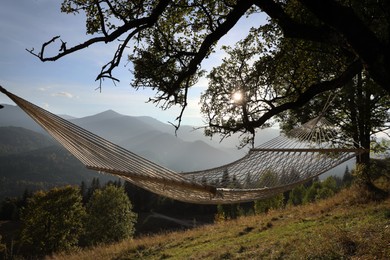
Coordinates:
[346,226]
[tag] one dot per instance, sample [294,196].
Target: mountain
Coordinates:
[113,126]
[117,128]
[14,116]
[191,134]
[67,117]
[15,140]
[29,157]
[176,154]
[34,161]
[51,164]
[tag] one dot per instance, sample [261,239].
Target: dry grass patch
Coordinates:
[348,225]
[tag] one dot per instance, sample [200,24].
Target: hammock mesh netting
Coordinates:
[271,168]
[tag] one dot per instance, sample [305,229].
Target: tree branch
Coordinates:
[340,24]
[294,29]
[136,24]
[302,99]
[231,19]
[374,53]
[101,17]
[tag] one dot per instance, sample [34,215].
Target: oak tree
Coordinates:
[168,40]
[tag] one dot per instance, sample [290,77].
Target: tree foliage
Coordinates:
[53,221]
[321,190]
[168,41]
[271,73]
[110,217]
[269,179]
[264,205]
[360,109]
[296,195]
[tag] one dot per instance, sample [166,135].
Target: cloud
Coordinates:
[44,88]
[63,94]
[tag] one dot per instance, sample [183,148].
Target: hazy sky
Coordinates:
[67,86]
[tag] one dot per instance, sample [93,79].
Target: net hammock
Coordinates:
[276,166]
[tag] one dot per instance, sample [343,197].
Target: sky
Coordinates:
[68,86]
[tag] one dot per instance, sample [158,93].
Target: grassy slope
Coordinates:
[345,226]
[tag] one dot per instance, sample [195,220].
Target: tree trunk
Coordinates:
[363,127]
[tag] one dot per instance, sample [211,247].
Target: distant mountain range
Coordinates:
[28,155]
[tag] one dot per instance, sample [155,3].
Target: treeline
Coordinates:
[78,216]
[311,191]
[142,200]
[62,219]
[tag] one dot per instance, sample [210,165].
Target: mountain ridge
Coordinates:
[45,161]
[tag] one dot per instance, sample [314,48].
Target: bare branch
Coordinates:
[107,69]
[135,25]
[40,55]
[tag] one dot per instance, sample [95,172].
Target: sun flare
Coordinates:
[237,96]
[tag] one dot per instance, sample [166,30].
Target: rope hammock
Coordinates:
[276,166]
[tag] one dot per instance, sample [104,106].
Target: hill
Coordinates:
[346,226]
[37,164]
[14,116]
[15,140]
[31,159]
[117,127]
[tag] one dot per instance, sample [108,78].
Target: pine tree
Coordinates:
[347,177]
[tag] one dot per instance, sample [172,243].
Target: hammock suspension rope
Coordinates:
[276,166]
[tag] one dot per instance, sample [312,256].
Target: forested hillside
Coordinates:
[14,140]
[34,161]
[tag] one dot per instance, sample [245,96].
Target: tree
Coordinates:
[360,110]
[330,183]
[52,221]
[9,209]
[347,177]
[328,188]
[87,193]
[269,179]
[312,192]
[296,195]
[109,216]
[169,40]
[228,211]
[264,205]
[225,179]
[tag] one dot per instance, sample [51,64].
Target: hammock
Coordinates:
[276,166]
